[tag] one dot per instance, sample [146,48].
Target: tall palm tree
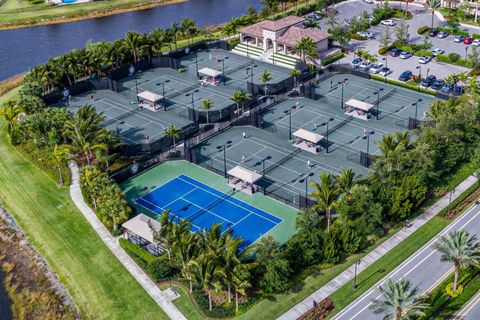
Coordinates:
[188,28]
[295,73]
[312,24]
[158,39]
[59,156]
[10,111]
[346,181]
[173,133]
[89,177]
[307,48]
[326,194]
[207,105]
[265,78]
[132,43]
[206,275]
[174,31]
[240,281]
[185,247]
[399,301]
[164,235]
[239,97]
[460,249]
[434,5]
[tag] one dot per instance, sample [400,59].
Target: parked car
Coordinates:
[395,52]
[468,40]
[428,81]
[447,88]
[369,1]
[375,68]
[433,32]
[476,42]
[385,72]
[458,90]
[438,51]
[364,66]
[356,62]
[405,76]
[443,34]
[313,16]
[438,84]
[405,55]
[388,22]
[459,38]
[365,34]
[424,59]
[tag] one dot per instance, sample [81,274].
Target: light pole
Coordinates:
[451,192]
[378,99]
[131,72]
[193,103]
[250,73]
[224,146]
[163,93]
[223,69]
[116,127]
[386,61]
[248,41]
[428,71]
[262,162]
[196,63]
[289,112]
[466,51]
[305,179]
[343,84]
[357,263]
[326,124]
[366,136]
[416,110]
[419,68]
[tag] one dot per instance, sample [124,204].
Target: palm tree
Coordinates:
[295,73]
[240,281]
[158,38]
[459,249]
[174,30]
[399,301]
[307,48]
[312,24]
[10,111]
[207,105]
[132,43]
[184,249]
[59,155]
[89,177]
[188,28]
[173,133]
[265,78]
[346,181]
[206,275]
[239,97]
[434,5]
[164,235]
[326,194]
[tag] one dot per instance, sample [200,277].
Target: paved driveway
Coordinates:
[423,269]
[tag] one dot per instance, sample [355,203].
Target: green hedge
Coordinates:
[160,269]
[422,53]
[456,60]
[222,311]
[135,250]
[476,36]
[358,37]
[332,59]
[404,84]
[407,48]
[443,58]
[459,199]
[423,29]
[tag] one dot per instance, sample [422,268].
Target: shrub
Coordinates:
[332,59]
[462,33]
[358,37]
[407,48]
[135,250]
[422,53]
[454,57]
[382,51]
[404,84]
[464,63]
[453,293]
[217,311]
[476,36]
[443,58]
[160,269]
[319,311]
[423,29]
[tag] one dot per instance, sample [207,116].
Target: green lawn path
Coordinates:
[99,285]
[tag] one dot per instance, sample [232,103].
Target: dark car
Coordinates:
[447,88]
[457,90]
[433,33]
[395,52]
[405,76]
[438,84]
[428,81]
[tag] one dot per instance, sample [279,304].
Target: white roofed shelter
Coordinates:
[358,109]
[307,140]
[243,179]
[139,230]
[210,76]
[151,100]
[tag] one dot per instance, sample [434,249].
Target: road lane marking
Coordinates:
[472,304]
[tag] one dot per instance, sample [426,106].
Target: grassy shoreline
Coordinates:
[75,12]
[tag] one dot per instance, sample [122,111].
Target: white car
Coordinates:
[424,59]
[388,22]
[364,66]
[369,1]
[476,42]
[437,51]
[385,72]
[365,34]
[376,68]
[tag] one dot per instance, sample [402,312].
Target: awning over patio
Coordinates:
[245,174]
[150,96]
[140,226]
[364,106]
[210,72]
[308,135]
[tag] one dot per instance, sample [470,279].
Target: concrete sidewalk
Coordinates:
[376,254]
[161,298]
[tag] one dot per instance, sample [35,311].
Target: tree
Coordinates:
[295,73]
[132,43]
[312,24]
[307,48]
[188,28]
[401,33]
[326,194]
[434,5]
[460,249]
[239,97]
[59,156]
[426,44]
[473,56]
[346,181]
[158,39]
[173,133]
[205,274]
[453,24]
[10,111]
[385,37]
[399,301]
[265,78]
[207,105]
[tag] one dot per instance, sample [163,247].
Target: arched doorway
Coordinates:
[269,44]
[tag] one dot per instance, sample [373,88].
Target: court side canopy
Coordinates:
[210,72]
[140,225]
[150,96]
[308,135]
[244,174]
[360,105]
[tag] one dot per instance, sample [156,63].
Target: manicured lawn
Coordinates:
[184,303]
[99,285]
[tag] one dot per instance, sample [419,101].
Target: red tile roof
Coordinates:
[295,34]
[257,29]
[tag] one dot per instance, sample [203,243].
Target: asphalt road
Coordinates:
[471,311]
[423,268]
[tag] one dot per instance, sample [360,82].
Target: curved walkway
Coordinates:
[160,297]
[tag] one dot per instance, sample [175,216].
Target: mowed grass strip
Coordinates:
[99,285]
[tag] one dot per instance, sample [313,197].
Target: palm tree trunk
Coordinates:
[433,14]
[236,301]
[60,175]
[327,212]
[191,287]
[476,11]
[229,293]
[210,300]
[455,279]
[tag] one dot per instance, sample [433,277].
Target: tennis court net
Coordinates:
[283,160]
[182,91]
[211,205]
[240,67]
[388,94]
[338,125]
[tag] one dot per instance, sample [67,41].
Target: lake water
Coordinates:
[21,49]
[5,303]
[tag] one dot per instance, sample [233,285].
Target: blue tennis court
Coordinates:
[187,198]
